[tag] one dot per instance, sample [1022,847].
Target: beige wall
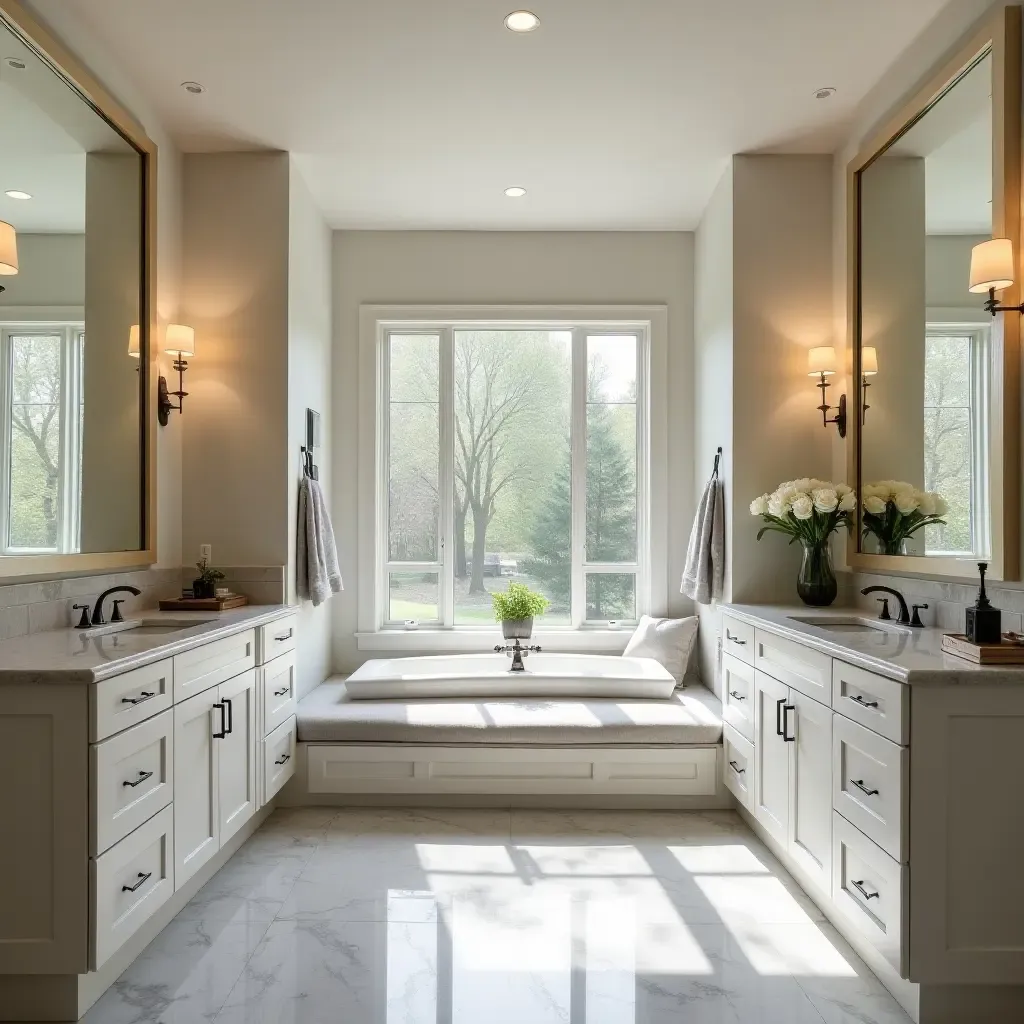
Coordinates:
[51,272]
[506,267]
[235,423]
[947,269]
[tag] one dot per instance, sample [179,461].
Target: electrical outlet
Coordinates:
[206,552]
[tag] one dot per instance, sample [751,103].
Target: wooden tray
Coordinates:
[204,604]
[982,654]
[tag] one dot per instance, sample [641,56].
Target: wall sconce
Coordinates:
[179,341]
[134,349]
[991,271]
[868,368]
[821,362]
[8,250]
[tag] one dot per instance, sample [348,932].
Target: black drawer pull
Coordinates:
[736,695]
[138,884]
[859,886]
[223,723]
[778,716]
[864,703]
[859,783]
[736,768]
[281,693]
[281,637]
[734,639]
[230,727]
[283,758]
[138,782]
[786,708]
[142,697]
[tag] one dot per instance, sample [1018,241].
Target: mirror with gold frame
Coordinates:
[934,428]
[77,187]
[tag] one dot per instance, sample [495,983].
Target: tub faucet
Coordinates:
[518,652]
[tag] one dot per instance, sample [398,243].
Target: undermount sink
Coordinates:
[142,627]
[837,624]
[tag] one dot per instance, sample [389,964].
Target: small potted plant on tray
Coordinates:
[515,609]
[205,584]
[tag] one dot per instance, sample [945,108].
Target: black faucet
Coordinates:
[97,615]
[904,619]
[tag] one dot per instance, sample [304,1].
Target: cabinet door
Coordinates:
[196,812]
[771,751]
[236,767]
[810,788]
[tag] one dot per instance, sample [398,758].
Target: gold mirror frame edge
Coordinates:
[1000,32]
[15,16]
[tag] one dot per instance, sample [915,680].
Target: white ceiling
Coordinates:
[418,114]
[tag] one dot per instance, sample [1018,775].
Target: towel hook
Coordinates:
[718,455]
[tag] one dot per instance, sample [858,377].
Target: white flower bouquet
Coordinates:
[895,510]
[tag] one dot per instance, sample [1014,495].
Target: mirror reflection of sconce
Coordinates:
[821,362]
[992,271]
[179,341]
[8,250]
[133,344]
[868,368]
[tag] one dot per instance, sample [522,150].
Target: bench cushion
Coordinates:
[690,717]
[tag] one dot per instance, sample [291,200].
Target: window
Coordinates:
[40,437]
[511,451]
[956,435]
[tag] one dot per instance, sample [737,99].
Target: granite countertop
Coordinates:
[913,656]
[66,656]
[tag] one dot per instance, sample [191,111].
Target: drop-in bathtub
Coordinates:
[488,675]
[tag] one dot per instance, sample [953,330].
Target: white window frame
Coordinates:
[980,334]
[650,324]
[69,489]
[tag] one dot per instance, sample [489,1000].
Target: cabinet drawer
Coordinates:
[869,888]
[873,701]
[206,666]
[278,758]
[130,883]
[278,692]
[738,638]
[132,778]
[126,700]
[738,695]
[739,765]
[868,784]
[277,638]
[807,671]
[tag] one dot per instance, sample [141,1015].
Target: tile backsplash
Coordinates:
[41,606]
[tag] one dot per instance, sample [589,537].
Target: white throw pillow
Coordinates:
[668,641]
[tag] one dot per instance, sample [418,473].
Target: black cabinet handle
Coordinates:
[223,723]
[859,783]
[859,886]
[736,695]
[786,708]
[230,728]
[736,768]
[734,639]
[138,884]
[138,782]
[864,703]
[281,637]
[778,716]
[281,693]
[283,758]
[142,698]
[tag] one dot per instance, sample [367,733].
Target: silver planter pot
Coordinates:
[517,629]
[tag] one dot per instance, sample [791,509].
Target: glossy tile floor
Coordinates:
[497,917]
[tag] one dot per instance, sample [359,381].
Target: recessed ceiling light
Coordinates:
[825,92]
[193,87]
[515,192]
[521,21]
[15,62]
[16,193]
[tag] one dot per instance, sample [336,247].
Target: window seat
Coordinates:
[690,717]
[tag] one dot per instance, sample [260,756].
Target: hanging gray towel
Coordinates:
[704,571]
[316,553]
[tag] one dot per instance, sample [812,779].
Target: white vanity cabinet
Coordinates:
[278,700]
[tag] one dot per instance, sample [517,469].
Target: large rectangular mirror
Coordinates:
[75,181]
[935,420]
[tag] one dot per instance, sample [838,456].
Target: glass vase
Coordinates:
[816,583]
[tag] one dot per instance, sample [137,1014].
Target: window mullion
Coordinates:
[578,487]
[446,477]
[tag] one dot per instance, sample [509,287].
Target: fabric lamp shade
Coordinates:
[8,249]
[180,340]
[133,342]
[868,361]
[821,360]
[992,265]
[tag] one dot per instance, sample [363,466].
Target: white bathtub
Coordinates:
[488,675]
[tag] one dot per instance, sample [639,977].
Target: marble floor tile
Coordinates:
[426,822]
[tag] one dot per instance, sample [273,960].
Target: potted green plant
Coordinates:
[205,584]
[515,609]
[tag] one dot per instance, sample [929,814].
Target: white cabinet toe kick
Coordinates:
[892,802]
